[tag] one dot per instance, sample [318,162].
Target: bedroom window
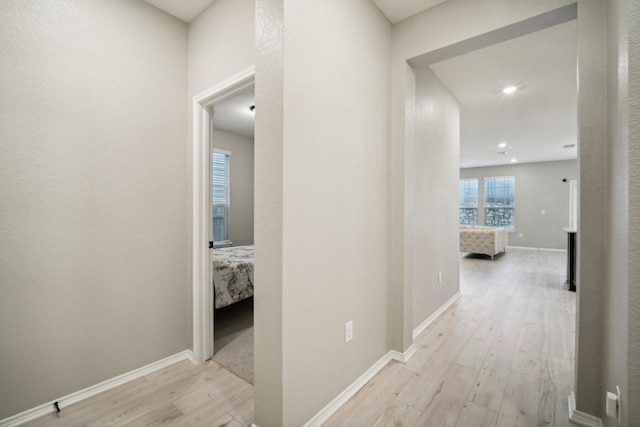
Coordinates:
[221,196]
[469,201]
[499,201]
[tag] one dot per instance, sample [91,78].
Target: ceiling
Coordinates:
[394,10]
[538,119]
[185,10]
[535,122]
[234,115]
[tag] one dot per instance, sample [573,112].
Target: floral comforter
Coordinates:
[232,274]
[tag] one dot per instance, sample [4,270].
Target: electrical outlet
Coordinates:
[439,276]
[348,331]
[520,235]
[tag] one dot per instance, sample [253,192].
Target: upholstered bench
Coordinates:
[483,240]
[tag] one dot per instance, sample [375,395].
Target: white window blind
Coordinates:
[221,195]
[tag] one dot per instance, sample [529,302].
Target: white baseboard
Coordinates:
[403,357]
[350,391]
[581,418]
[429,320]
[70,399]
[333,406]
[536,249]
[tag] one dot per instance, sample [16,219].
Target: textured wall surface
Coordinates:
[93,179]
[615,326]
[242,166]
[539,187]
[432,202]
[632,12]
[592,153]
[336,62]
[268,335]
[220,45]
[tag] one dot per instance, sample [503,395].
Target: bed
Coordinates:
[232,274]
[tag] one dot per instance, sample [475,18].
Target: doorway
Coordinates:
[202,280]
[425,62]
[232,149]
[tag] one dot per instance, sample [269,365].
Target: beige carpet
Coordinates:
[233,338]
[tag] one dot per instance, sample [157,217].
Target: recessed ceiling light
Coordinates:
[509,89]
[502,144]
[514,160]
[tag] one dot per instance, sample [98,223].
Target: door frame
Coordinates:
[202,288]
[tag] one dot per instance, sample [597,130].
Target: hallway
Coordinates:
[502,355]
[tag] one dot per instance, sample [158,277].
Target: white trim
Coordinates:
[521,247]
[536,249]
[202,293]
[333,406]
[70,399]
[403,357]
[581,418]
[422,326]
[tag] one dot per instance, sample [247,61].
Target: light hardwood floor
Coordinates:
[502,355]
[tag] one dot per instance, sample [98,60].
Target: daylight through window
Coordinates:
[499,201]
[468,201]
[221,196]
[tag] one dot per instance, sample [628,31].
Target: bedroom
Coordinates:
[232,142]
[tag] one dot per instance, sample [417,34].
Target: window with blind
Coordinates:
[500,201]
[468,192]
[221,196]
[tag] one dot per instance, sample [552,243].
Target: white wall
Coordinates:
[241,148]
[432,197]
[539,187]
[220,45]
[334,201]
[621,341]
[334,207]
[632,10]
[93,218]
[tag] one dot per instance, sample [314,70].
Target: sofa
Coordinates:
[483,240]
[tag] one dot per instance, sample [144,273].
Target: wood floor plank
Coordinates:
[528,355]
[473,415]
[443,412]
[489,386]
[430,382]
[244,412]
[520,403]
[397,414]
[370,402]
[556,383]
